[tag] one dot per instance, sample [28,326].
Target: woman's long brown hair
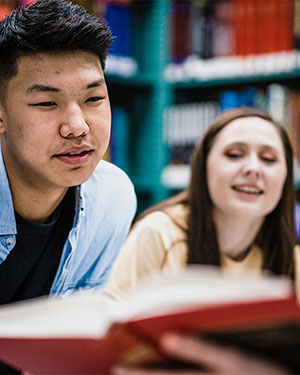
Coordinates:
[276,237]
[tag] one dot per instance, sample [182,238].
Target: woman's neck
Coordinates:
[236,234]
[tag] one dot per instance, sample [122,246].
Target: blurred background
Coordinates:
[175,65]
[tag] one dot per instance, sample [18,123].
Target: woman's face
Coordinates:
[246,168]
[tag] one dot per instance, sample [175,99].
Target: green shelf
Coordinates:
[194,84]
[138,80]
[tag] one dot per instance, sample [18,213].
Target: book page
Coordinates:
[201,285]
[91,313]
[83,314]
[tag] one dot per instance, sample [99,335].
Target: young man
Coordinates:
[64,212]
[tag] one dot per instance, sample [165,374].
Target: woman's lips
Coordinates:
[247,189]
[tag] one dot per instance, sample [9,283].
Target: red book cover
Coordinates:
[136,342]
[250,41]
[261,25]
[246,24]
[6,6]
[269,26]
[181,36]
[79,334]
[239,28]
[285,25]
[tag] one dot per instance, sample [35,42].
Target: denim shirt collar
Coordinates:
[79,204]
[7,215]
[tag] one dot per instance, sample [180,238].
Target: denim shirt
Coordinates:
[104,208]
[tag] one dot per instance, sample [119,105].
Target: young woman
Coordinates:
[238,212]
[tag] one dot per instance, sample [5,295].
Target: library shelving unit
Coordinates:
[146,94]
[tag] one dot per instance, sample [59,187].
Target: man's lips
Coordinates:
[75,151]
[75,155]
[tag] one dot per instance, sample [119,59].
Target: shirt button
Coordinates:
[9,241]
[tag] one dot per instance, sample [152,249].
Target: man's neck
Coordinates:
[36,206]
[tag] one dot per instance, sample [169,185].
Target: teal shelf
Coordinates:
[194,84]
[143,183]
[138,80]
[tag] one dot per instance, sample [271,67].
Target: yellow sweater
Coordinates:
[157,245]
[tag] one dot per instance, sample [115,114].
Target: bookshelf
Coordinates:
[148,72]
[144,96]
[157,85]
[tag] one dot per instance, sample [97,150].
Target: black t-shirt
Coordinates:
[30,268]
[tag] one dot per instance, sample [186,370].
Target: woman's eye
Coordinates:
[233,155]
[268,159]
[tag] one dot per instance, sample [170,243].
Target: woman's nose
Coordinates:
[252,166]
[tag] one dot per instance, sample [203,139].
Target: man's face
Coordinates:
[55,119]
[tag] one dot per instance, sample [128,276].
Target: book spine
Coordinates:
[6,6]
[296,24]
[181,41]
[285,25]
[197,28]
[240,25]
[222,31]
[184,126]
[118,18]
[119,148]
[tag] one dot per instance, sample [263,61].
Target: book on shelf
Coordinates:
[184,125]
[222,39]
[6,6]
[119,140]
[263,26]
[180,30]
[118,18]
[296,24]
[90,333]
[285,25]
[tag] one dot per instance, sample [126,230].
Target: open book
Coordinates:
[89,333]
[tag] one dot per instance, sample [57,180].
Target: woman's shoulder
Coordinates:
[170,216]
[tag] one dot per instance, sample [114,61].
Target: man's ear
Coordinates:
[2,125]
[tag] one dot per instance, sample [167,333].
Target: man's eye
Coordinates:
[95,99]
[44,104]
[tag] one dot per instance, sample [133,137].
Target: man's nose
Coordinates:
[74,124]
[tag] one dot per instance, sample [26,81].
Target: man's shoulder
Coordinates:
[107,173]
[109,186]
[107,168]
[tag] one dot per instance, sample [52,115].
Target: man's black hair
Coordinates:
[49,26]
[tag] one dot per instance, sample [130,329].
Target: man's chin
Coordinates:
[77,180]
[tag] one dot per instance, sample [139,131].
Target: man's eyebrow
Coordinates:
[41,88]
[45,88]
[99,82]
